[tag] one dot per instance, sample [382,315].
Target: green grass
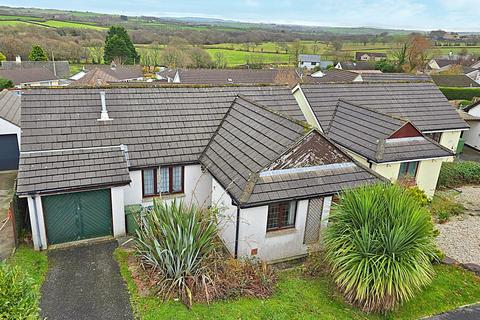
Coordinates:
[14,23]
[300,297]
[66,24]
[24,18]
[31,263]
[235,58]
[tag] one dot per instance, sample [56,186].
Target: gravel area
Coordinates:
[460,237]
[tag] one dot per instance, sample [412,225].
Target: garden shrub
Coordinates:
[18,300]
[182,255]
[455,174]
[380,246]
[460,93]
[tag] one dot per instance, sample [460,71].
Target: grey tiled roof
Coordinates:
[366,132]
[24,75]
[244,155]
[10,107]
[334,75]
[358,65]
[454,81]
[395,77]
[421,103]
[119,72]
[159,125]
[358,55]
[61,68]
[234,76]
[54,171]
[309,57]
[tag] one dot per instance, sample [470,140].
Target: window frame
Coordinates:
[435,136]
[408,163]
[156,189]
[284,227]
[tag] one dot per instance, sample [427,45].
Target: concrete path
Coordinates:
[7,240]
[466,313]
[84,283]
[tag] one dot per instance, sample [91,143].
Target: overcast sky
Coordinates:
[451,15]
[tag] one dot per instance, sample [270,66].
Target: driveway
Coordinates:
[466,313]
[470,154]
[84,282]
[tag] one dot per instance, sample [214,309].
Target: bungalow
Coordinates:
[471,114]
[439,65]
[460,81]
[105,74]
[357,67]
[370,56]
[333,75]
[10,132]
[30,77]
[430,119]
[308,61]
[87,153]
[60,69]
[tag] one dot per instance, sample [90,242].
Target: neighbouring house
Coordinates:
[234,76]
[439,65]
[30,77]
[475,65]
[105,74]
[61,69]
[460,81]
[420,104]
[395,77]
[245,149]
[472,73]
[10,132]
[358,67]
[167,75]
[309,61]
[370,56]
[471,114]
[333,75]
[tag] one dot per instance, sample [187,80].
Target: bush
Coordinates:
[455,174]
[18,300]
[5,83]
[460,93]
[178,242]
[380,246]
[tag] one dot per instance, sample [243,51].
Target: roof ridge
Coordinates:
[373,110]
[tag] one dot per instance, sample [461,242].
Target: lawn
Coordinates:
[31,263]
[301,297]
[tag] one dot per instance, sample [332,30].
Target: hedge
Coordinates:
[460,93]
[455,174]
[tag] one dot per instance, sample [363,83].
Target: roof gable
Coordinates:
[408,130]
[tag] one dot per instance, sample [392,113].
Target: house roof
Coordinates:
[422,103]
[334,75]
[261,156]
[10,107]
[309,57]
[454,81]
[235,76]
[446,62]
[104,74]
[395,77]
[472,105]
[467,117]
[60,68]
[27,75]
[54,171]
[371,134]
[358,55]
[358,65]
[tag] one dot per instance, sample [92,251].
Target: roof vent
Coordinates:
[104,114]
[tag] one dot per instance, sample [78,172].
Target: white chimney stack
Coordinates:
[104,114]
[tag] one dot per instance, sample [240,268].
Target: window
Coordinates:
[313,63]
[281,215]
[164,181]
[435,136]
[408,169]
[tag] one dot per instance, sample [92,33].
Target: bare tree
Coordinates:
[200,58]
[219,60]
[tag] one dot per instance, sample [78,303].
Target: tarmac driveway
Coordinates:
[84,282]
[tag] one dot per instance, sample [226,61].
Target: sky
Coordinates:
[450,15]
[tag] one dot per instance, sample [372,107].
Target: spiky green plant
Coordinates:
[178,241]
[380,246]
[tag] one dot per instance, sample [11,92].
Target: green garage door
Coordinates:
[77,216]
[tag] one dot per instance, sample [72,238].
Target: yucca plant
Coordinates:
[380,246]
[178,241]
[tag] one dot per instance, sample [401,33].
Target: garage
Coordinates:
[10,152]
[77,216]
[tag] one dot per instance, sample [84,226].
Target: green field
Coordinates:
[66,24]
[235,58]
[23,18]
[9,23]
[6,20]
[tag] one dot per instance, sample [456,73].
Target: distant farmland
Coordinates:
[35,21]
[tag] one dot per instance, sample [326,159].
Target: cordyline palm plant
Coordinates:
[380,246]
[178,241]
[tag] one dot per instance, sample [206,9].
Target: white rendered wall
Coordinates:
[7,127]
[197,184]
[450,139]
[118,211]
[273,245]
[472,136]
[227,215]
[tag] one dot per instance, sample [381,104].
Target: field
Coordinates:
[8,20]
